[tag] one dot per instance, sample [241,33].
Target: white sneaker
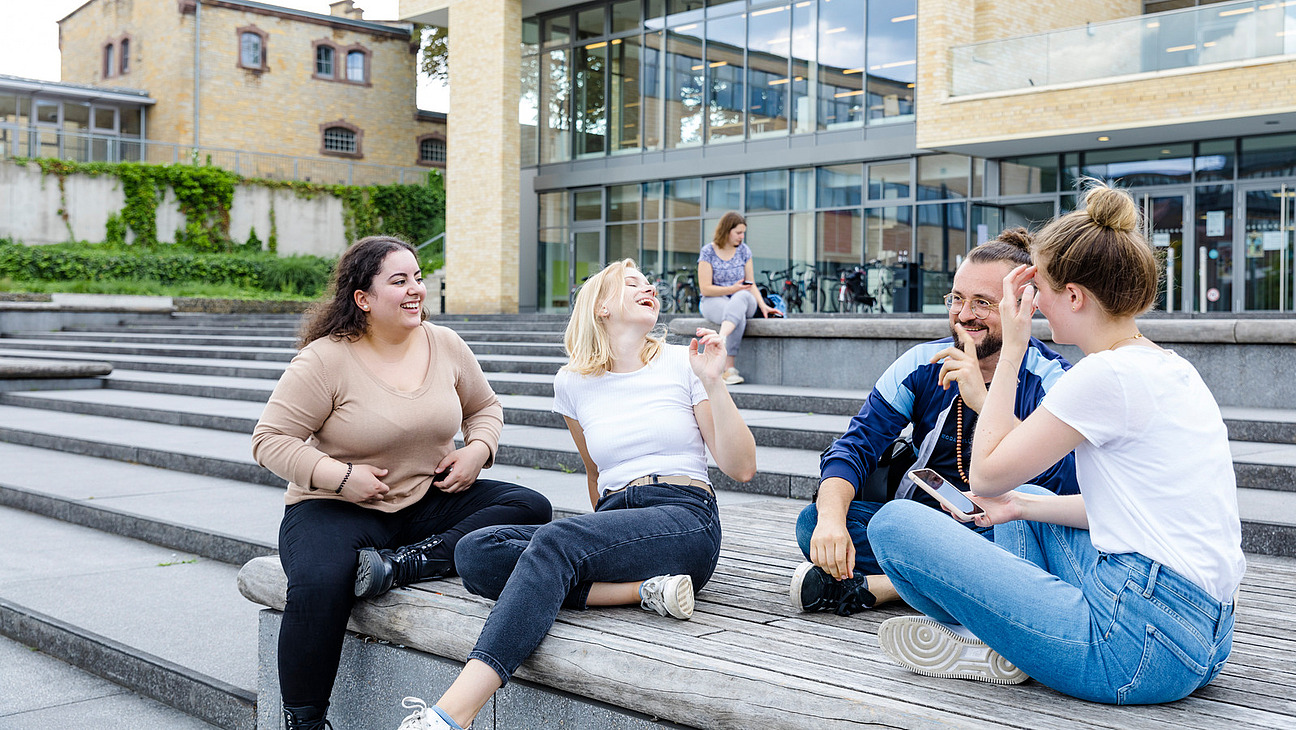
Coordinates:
[731,377]
[424,717]
[668,595]
[927,646]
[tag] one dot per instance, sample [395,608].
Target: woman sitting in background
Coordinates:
[728,283]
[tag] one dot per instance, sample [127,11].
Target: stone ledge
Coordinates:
[21,368]
[1162,329]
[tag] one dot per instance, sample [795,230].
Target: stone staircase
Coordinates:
[126,510]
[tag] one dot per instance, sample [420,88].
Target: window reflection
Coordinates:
[623,89]
[841,63]
[724,69]
[555,87]
[892,47]
[839,185]
[805,67]
[768,45]
[684,83]
[590,100]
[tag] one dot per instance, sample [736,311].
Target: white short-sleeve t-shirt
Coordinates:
[638,423]
[1154,468]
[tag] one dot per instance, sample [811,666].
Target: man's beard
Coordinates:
[989,345]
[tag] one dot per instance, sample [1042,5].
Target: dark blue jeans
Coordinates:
[532,571]
[318,540]
[858,516]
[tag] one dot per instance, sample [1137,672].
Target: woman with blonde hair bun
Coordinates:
[641,413]
[1123,593]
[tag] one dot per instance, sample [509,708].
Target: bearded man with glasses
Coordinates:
[938,388]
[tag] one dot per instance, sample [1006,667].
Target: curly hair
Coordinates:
[337,315]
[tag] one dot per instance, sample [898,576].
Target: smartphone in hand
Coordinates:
[947,494]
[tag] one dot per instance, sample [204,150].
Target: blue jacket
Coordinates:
[910,392]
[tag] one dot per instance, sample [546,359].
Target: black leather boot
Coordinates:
[379,571]
[306,717]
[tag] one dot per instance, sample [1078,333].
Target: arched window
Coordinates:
[341,139]
[251,50]
[355,68]
[108,66]
[432,150]
[125,55]
[324,61]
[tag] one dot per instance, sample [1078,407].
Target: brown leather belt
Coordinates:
[675,480]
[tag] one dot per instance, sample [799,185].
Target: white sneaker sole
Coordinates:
[925,646]
[794,588]
[679,603]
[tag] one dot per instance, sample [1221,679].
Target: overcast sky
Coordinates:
[29,38]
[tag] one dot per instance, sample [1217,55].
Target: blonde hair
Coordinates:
[1100,248]
[589,349]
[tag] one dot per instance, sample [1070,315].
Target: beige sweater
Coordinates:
[329,404]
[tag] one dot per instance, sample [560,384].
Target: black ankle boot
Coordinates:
[306,717]
[379,571]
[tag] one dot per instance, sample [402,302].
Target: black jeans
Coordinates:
[318,540]
[634,534]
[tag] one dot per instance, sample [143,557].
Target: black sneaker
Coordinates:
[378,571]
[813,589]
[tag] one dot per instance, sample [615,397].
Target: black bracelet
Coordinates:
[344,479]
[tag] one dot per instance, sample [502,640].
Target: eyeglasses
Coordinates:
[980,307]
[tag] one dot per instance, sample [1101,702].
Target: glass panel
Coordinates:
[1164,216]
[888,181]
[130,122]
[892,48]
[554,263]
[76,117]
[587,256]
[724,194]
[683,240]
[589,23]
[683,197]
[767,190]
[251,49]
[1214,264]
[625,16]
[529,110]
[801,248]
[9,109]
[652,200]
[654,9]
[987,223]
[942,242]
[623,242]
[1269,239]
[46,112]
[1031,216]
[724,54]
[555,87]
[590,100]
[324,60]
[355,66]
[652,88]
[623,84]
[553,210]
[1269,156]
[1215,159]
[840,241]
[767,72]
[767,237]
[840,185]
[530,36]
[1140,166]
[1028,175]
[888,239]
[805,67]
[841,63]
[978,176]
[588,205]
[105,120]
[623,203]
[803,189]
[943,176]
[684,85]
[1071,171]
[650,261]
[685,6]
[556,30]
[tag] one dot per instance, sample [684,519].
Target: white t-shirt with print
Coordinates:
[1155,467]
[638,423]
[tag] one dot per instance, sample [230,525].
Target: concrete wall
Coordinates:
[30,204]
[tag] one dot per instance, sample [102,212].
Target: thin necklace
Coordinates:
[958,441]
[1127,339]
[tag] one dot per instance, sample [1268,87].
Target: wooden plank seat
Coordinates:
[748,660]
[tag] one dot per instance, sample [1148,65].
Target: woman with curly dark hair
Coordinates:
[362,425]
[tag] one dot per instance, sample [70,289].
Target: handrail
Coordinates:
[433,239]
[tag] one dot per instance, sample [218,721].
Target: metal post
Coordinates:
[1282,253]
[1170,257]
[1201,278]
[197,64]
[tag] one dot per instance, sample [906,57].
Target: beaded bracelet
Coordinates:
[344,479]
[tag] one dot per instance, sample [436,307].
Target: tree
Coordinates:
[435,52]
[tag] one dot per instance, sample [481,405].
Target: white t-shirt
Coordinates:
[638,423]
[1154,468]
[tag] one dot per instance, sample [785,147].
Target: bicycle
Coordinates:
[684,290]
[665,299]
[852,290]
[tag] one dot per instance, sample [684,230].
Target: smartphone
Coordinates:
[748,283]
[945,493]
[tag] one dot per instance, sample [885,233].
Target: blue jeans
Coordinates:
[1113,628]
[736,308]
[532,571]
[858,516]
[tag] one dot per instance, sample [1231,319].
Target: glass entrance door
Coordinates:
[1213,236]
[1268,246]
[1163,226]
[587,257]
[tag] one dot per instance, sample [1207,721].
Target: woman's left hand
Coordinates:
[1017,306]
[459,468]
[709,363]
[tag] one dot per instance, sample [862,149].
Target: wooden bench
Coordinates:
[748,660]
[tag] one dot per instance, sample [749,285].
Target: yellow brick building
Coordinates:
[261,78]
[874,138]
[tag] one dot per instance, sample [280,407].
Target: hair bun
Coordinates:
[1017,237]
[1111,208]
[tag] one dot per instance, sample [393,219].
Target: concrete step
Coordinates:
[234,339]
[527,349]
[93,349]
[170,328]
[155,363]
[44,693]
[169,625]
